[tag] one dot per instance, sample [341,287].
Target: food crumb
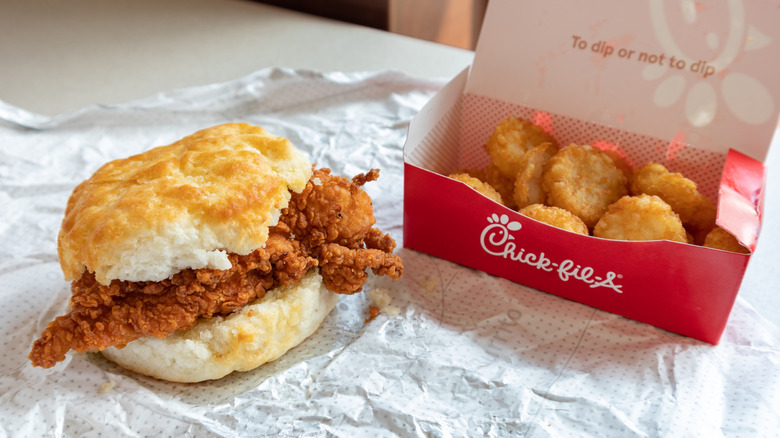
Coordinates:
[106,387]
[382,299]
[373,311]
[430,284]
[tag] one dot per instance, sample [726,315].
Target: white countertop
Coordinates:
[59,56]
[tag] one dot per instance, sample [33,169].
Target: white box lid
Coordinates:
[608,62]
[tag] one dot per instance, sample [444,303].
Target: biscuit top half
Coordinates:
[185,205]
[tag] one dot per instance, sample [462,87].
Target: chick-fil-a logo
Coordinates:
[497,240]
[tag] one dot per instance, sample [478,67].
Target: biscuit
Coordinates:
[185,205]
[258,333]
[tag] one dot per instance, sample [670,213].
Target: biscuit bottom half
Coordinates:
[258,333]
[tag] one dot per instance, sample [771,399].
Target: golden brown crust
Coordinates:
[556,217]
[719,238]
[621,161]
[185,205]
[643,217]
[528,183]
[696,210]
[503,185]
[478,185]
[510,140]
[583,180]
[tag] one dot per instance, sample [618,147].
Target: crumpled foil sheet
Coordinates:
[467,354]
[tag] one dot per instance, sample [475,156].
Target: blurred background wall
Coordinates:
[452,22]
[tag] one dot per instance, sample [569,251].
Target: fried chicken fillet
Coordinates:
[328,226]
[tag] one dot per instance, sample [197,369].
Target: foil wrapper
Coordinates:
[456,352]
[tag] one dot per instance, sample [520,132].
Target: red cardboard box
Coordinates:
[691,87]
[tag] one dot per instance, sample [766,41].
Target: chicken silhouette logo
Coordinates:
[497,240]
[497,233]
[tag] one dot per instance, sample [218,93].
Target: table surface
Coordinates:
[61,56]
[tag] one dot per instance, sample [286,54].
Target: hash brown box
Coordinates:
[691,87]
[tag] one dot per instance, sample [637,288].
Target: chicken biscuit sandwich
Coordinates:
[214,254]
